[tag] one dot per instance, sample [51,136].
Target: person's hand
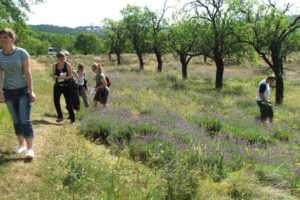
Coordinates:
[2,99]
[32,97]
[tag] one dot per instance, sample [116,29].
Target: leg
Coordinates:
[84,96]
[56,95]
[25,106]
[12,105]
[21,140]
[95,104]
[270,114]
[29,142]
[263,112]
[76,100]
[68,98]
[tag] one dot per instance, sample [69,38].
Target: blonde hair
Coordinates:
[60,54]
[98,67]
[9,32]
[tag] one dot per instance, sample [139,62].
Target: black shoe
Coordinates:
[59,119]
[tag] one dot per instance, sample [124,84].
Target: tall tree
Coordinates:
[185,40]
[13,13]
[116,35]
[87,43]
[271,32]
[137,28]
[158,33]
[216,15]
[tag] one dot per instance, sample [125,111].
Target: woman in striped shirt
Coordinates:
[18,92]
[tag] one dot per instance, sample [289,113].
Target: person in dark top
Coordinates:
[101,88]
[263,99]
[62,72]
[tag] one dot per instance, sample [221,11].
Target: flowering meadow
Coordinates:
[198,142]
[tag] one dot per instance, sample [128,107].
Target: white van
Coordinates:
[51,51]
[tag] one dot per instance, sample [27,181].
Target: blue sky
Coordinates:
[73,13]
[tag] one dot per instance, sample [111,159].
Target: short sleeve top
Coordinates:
[12,67]
[98,79]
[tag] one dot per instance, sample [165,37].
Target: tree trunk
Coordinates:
[278,70]
[140,56]
[279,89]
[184,64]
[205,59]
[118,58]
[109,55]
[220,70]
[159,60]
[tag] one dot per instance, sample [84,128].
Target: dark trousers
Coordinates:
[265,111]
[75,100]
[66,91]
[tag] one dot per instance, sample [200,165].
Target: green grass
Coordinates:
[151,151]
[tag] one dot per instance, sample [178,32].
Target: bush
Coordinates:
[282,133]
[97,129]
[211,125]
[252,135]
[124,134]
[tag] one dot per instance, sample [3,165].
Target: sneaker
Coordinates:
[20,149]
[29,154]
[59,119]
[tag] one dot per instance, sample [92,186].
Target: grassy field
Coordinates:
[162,137]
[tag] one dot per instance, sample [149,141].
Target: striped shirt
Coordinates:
[12,66]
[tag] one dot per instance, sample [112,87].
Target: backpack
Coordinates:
[107,81]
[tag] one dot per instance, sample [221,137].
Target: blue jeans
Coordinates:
[19,105]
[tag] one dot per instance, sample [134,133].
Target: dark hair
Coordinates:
[9,32]
[81,66]
[60,54]
[272,78]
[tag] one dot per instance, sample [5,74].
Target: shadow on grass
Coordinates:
[4,160]
[44,122]
[49,115]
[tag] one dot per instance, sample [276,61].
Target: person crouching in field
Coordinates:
[18,92]
[263,99]
[81,85]
[101,88]
[62,72]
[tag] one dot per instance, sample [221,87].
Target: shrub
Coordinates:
[282,133]
[124,134]
[97,129]
[211,125]
[252,135]
[181,182]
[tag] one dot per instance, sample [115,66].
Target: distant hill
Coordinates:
[54,29]
[66,30]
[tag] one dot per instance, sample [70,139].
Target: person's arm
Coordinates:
[28,77]
[103,85]
[262,96]
[1,78]
[76,75]
[262,89]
